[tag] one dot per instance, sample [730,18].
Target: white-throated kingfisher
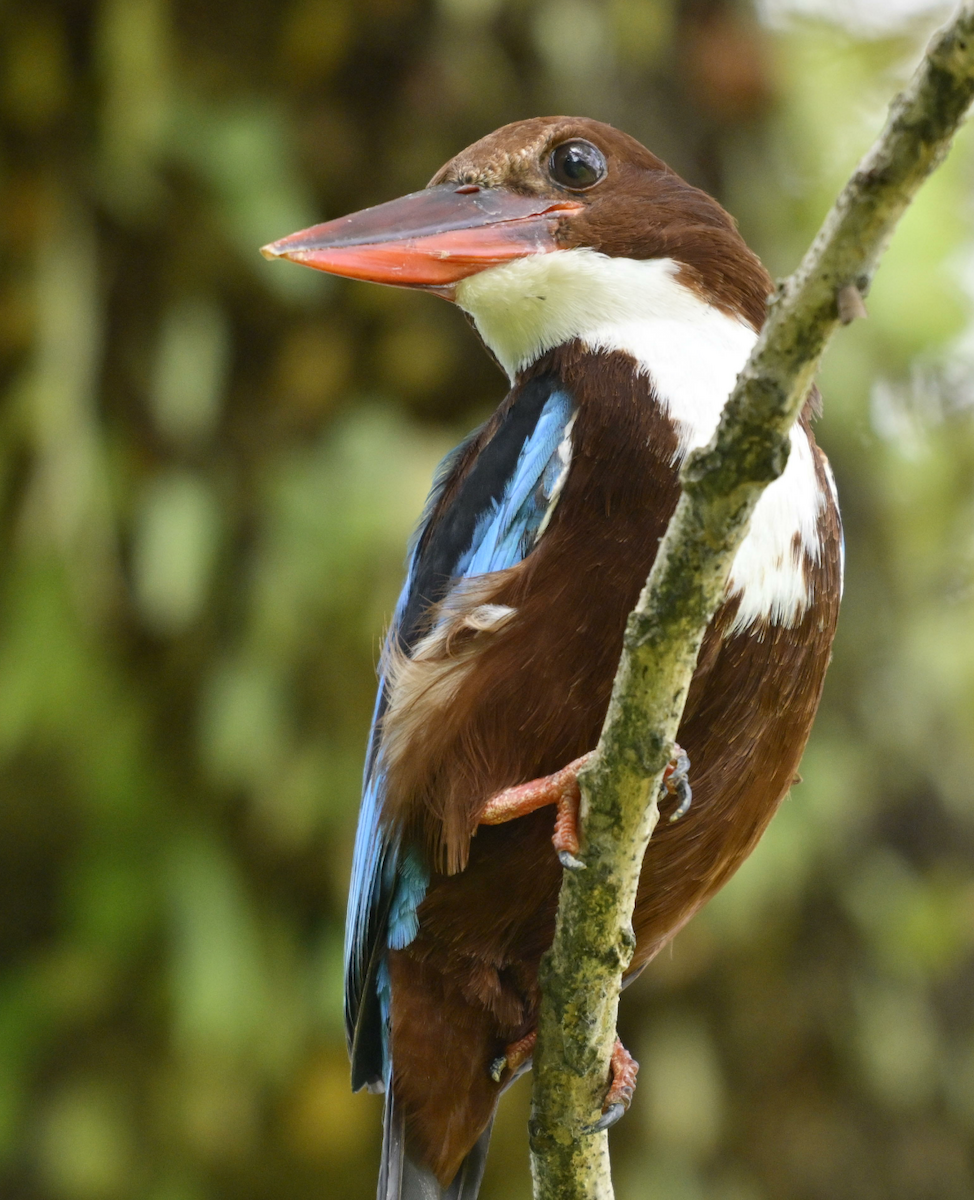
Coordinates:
[622,303]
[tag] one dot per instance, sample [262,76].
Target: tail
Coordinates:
[402,1179]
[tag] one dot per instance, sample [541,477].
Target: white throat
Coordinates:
[692,352]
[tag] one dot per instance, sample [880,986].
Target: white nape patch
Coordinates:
[693,352]
[691,349]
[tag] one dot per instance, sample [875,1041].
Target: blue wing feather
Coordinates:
[388,880]
[499,541]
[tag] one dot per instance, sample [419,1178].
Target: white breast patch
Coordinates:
[692,351]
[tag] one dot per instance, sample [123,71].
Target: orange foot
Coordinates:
[622,1077]
[560,789]
[516,1055]
[622,1074]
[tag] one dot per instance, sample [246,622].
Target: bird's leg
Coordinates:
[622,1074]
[560,789]
[676,782]
[516,1054]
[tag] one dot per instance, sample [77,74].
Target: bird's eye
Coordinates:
[576,164]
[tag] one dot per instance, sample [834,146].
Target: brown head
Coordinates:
[533,188]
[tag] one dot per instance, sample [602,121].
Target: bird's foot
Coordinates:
[560,789]
[622,1072]
[676,782]
[516,1055]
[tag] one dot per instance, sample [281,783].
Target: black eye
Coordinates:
[576,164]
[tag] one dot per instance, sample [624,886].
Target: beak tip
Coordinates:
[271,250]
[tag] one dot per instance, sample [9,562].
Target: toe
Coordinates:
[611,1115]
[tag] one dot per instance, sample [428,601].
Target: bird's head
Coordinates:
[546,230]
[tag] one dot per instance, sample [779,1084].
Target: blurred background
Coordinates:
[209,466]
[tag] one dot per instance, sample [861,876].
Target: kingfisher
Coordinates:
[621,302]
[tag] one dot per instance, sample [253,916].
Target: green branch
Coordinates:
[722,482]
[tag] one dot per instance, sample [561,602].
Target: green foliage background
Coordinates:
[209,466]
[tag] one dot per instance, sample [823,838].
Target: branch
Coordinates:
[593,943]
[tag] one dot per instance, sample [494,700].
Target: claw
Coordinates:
[560,789]
[622,1071]
[685,795]
[565,837]
[514,1056]
[676,782]
[612,1114]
